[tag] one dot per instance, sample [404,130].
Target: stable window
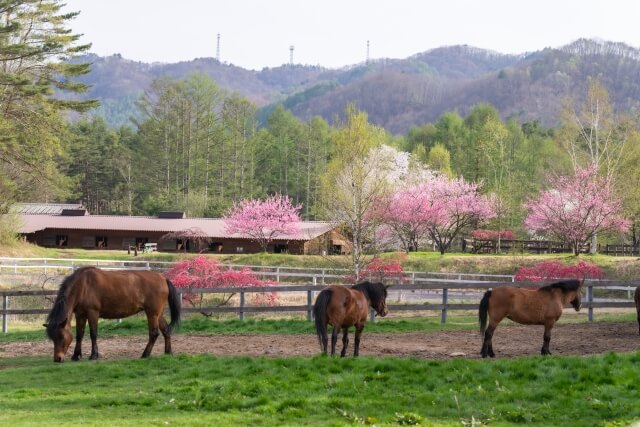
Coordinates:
[101,242]
[62,240]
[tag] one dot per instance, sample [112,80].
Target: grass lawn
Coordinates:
[207,390]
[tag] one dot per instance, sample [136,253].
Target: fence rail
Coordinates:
[442,286]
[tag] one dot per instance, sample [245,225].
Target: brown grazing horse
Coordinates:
[541,306]
[91,293]
[636,298]
[343,307]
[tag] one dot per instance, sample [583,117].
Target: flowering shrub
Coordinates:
[550,270]
[202,272]
[382,271]
[493,234]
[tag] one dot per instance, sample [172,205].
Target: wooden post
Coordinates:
[241,305]
[278,274]
[590,299]
[310,299]
[445,301]
[372,314]
[5,307]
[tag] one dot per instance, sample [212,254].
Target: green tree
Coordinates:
[36,71]
[355,180]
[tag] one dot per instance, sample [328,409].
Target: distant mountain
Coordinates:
[399,93]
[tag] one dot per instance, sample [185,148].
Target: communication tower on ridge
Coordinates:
[218,48]
[367,61]
[291,56]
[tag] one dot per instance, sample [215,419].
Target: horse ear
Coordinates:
[46,325]
[64,322]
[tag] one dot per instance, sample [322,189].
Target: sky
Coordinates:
[255,34]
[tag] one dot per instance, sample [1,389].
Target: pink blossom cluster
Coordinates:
[379,270]
[575,208]
[264,220]
[493,234]
[438,208]
[548,270]
[203,272]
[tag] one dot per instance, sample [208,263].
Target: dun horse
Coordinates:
[542,306]
[91,293]
[342,308]
[636,298]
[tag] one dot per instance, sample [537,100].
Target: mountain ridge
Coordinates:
[398,93]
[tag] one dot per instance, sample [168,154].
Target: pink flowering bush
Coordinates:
[382,271]
[264,220]
[203,272]
[493,234]
[547,271]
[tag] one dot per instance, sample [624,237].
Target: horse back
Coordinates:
[525,306]
[347,307]
[119,293]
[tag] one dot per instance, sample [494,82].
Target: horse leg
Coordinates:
[154,332]
[93,333]
[345,341]
[334,340]
[487,343]
[166,334]
[81,322]
[325,341]
[356,342]
[547,338]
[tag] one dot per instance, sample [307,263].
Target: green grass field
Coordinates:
[206,390]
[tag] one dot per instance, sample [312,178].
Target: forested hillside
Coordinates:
[401,93]
[200,135]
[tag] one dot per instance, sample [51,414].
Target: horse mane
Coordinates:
[564,285]
[374,290]
[59,311]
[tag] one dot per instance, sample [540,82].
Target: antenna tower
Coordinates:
[218,48]
[367,61]
[291,56]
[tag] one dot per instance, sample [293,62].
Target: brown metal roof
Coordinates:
[44,208]
[212,227]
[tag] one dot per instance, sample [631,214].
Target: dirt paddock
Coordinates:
[508,341]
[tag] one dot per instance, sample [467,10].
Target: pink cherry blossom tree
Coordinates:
[576,208]
[438,208]
[264,220]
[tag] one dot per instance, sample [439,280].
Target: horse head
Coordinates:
[60,334]
[378,296]
[576,302]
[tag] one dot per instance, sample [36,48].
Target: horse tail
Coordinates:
[320,313]
[175,306]
[484,310]
[59,313]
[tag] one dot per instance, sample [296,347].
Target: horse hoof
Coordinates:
[94,356]
[76,357]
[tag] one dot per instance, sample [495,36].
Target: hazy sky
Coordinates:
[333,33]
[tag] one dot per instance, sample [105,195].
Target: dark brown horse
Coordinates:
[541,306]
[636,298]
[91,293]
[343,307]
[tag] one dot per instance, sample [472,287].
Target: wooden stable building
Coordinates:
[71,226]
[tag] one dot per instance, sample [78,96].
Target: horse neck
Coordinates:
[365,291]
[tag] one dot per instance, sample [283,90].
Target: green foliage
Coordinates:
[36,81]
[205,390]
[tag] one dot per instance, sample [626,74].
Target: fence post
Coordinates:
[5,307]
[278,274]
[590,299]
[310,299]
[445,301]
[241,304]
[372,314]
